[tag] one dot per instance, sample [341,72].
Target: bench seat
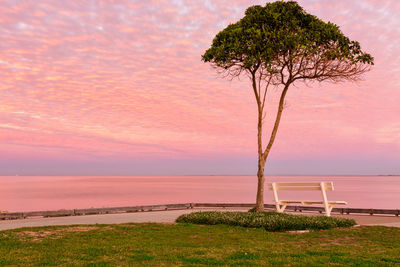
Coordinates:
[310,202]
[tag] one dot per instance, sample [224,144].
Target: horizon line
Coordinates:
[148,175]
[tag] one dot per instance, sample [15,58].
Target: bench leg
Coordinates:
[328,210]
[280,208]
[327,206]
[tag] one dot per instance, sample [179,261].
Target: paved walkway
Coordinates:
[161,217]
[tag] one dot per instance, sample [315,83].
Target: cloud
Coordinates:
[125,79]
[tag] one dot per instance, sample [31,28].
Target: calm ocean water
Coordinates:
[29,193]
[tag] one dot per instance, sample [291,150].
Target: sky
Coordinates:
[119,88]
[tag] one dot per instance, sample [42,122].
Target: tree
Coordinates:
[276,46]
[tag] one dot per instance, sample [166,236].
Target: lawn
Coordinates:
[194,245]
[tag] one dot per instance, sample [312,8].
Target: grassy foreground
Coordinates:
[269,220]
[194,245]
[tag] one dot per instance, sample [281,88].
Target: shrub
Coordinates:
[270,221]
[252,210]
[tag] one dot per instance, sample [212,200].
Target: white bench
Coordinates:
[319,186]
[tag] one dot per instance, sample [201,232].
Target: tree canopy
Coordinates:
[282,40]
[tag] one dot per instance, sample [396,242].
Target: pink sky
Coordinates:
[118,88]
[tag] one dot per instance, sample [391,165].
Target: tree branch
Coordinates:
[277,121]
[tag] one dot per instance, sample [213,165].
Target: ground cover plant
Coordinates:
[270,221]
[197,245]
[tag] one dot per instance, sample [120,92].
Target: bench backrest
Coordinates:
[301,186]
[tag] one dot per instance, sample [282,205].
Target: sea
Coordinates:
[37,193]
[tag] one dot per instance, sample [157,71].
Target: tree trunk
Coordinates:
[260,186]
[262,156]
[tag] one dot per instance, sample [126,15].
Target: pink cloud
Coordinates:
[125,79]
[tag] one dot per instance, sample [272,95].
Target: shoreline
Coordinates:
[181,206]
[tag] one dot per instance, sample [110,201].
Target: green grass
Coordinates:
[197,245]
[270,221]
